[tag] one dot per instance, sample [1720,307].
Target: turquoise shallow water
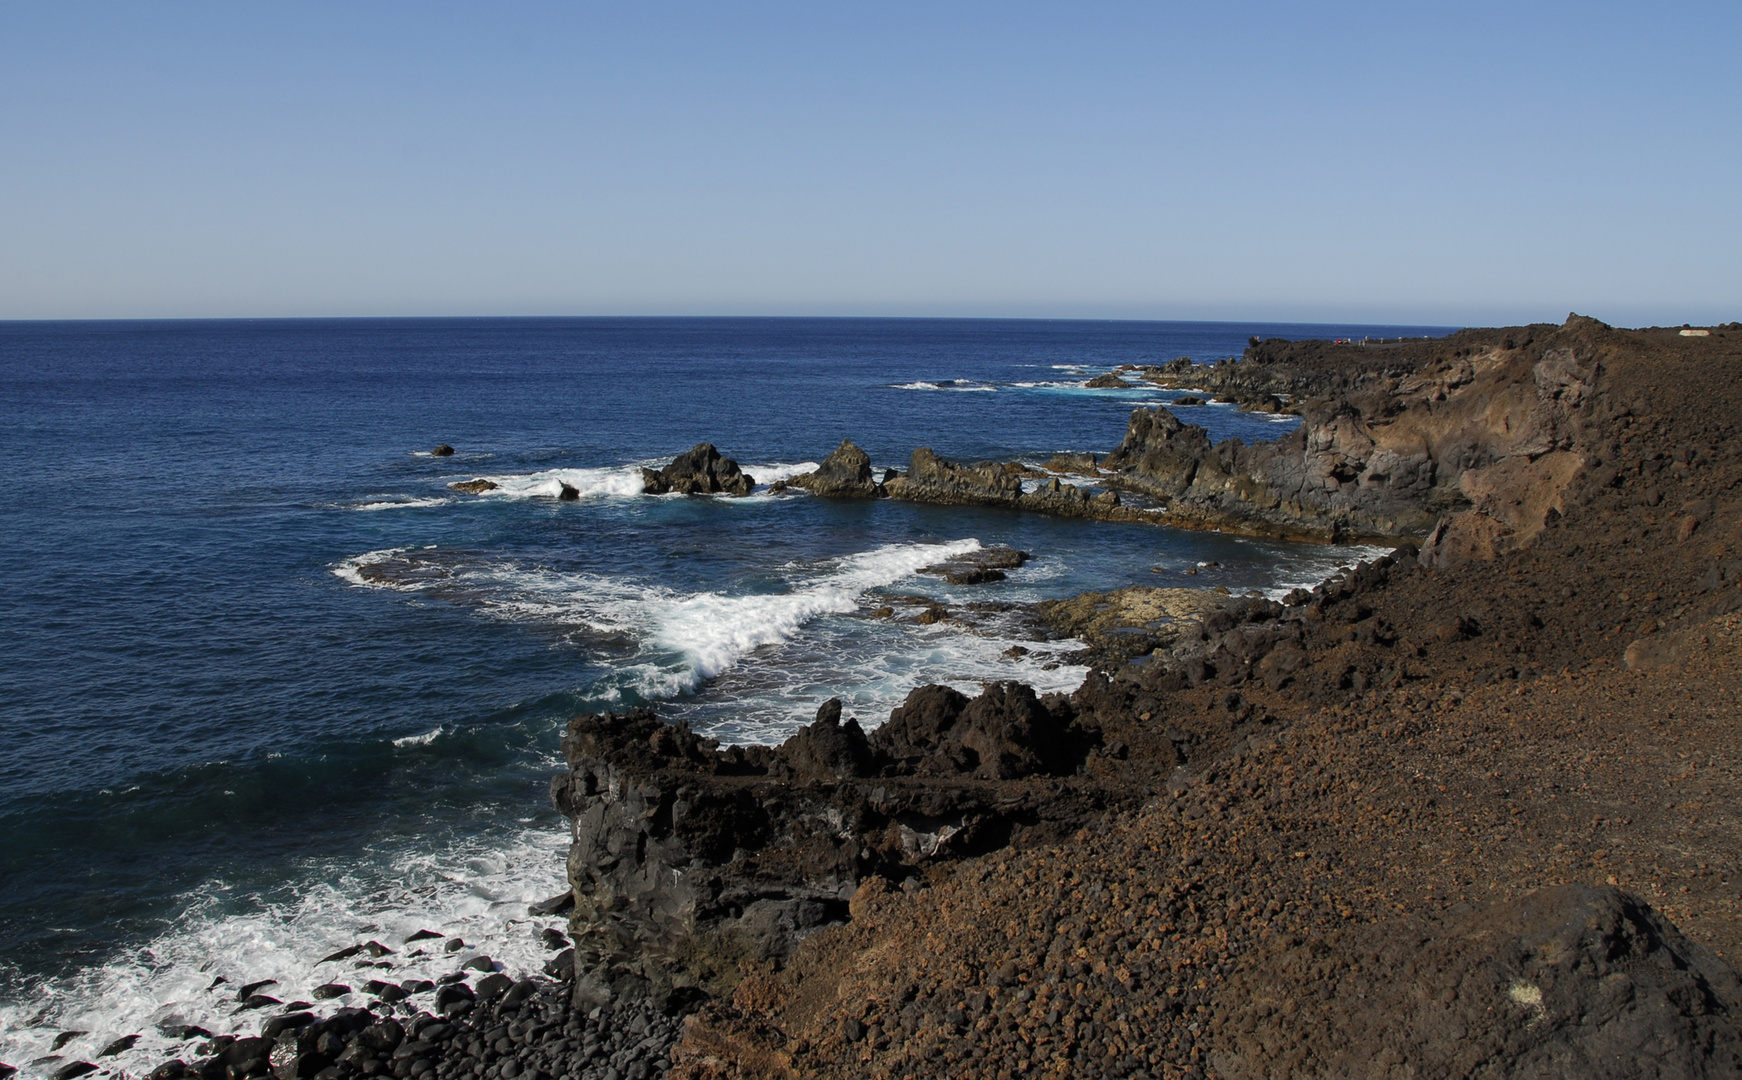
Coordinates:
[228,749]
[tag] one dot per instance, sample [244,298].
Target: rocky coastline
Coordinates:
[1466,441]
[1466,809]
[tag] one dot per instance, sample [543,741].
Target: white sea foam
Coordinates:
[684,639]
[1304,572]
[779,470]
[623,481]
[768,702]
[1032,484]
[713,632]
[477,889]
[418,740]
[956,385]
[402,504]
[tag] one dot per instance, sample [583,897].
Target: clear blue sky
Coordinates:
[1454,163]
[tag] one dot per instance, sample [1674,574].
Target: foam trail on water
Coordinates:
[685,639]
[959,386]
[714,632]
[401,504]
[779,470]
[623,481]
[477,889]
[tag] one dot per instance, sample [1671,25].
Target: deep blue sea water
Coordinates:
[229,750]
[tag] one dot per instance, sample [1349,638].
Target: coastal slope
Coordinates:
[1467,811]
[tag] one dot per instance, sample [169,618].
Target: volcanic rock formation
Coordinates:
[701,470]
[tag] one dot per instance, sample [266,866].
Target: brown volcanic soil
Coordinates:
[1459,836]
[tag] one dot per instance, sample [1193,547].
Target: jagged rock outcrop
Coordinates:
[689,859]
[701,470]
[932,479]
[845,473]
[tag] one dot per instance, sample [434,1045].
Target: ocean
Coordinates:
[271,688]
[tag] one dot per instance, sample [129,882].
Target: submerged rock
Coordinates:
[978,567]
[473,487]
[444,450]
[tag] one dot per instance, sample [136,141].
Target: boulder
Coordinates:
[444,450]
[473,487]
[978,567]
[845,473]
[828,749]
[701,470]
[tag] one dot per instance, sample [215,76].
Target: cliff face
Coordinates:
[1482,434]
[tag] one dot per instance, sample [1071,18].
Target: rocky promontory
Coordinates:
[1482,424]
